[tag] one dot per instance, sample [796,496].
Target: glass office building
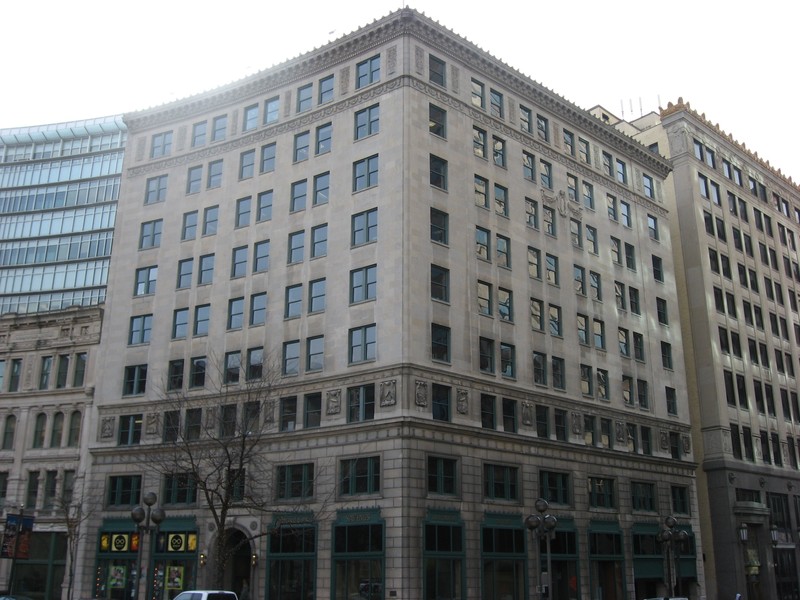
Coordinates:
[59,186]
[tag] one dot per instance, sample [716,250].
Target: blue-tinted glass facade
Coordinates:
[59,186]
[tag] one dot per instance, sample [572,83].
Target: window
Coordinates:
[179,488]
[139,331]
[205,273]
[261,256]
[233,365]
[123,490]
[219,128]
[313,410]
[479,142]
[439,226]
[361,403]
[440,402]
[362,344]
[440,342]
[499,151]
[438,172]
[658,268]
[534,263]
[291,358]
[271,110]
[304,97]
[324,138]
[264,208]
[145,281]
[135,380]
[161,144]
[543,128]
[197,373]
[294,301]
[360,476]
[666,355]
[486,354]
[315,353]
[478,98]
[436,70]
[442,475]
[296,245]
[551,269]
[364,227]
[319,241]
[295,481]
[630,256]
[549,218]
[210,220]
[554,316]
[500,482]
[495,103]
[199,134]
[365,173]
[235,313]
[202,316]
[363,284]
[130,430]
[554,487]
[539,368]
[625,213]
[184,273]
[321,189]
[647,186]
[239,261]
[546,174]
[255,363]
[250,118]
[156,190]
[440,283]
[368,71]
[601,492]
[622,172]
[661,309]
[288,413]
[437,120]
[150,234]
[326,89]
[214,174]
[316,296]
[500,200]
[509,415]
[78,374]
[189,226]
[247,164]
[508,364]
[267,158]
[591,239]
[44,372]
[569,142]
[301,144]
[643,496]
[367,122]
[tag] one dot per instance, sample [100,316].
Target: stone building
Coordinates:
[462,288]
[735,230]
[47,361]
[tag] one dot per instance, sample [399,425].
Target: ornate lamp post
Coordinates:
[143,518]
[541,526]
[671,542]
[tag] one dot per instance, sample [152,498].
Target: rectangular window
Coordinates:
[440,283]
[442,475]
[324,139]
[250,117]
[145,281]
[326,89]
[233,366]
[361,403]
[135,380]
[319,241]
[261,256]
[486,355]
[500,482]
[305,97]
[189,226]
[247,164]
[367,122]
[440,343]
[440,402]
[214,174]
[161,144]
[264,207]
[509,415]
[363,284]
[219,128]
[437,120]
[543,128]
[312,413]
[438,172]
[210,220]
[479,144]
[295,481]
[364,227]
[360,476]
[291,358]
[554,487]
[235,313]
[296,246]
[123,490]
[239,261]
[243,212]
[436,70]
[316,295]
[302,141]
[150,234]
[139,331]
[197,374]
[271,110]
[321,189]
[202,316]
[205,273]
[199,134]
[130,430]
[365,173]
[488,420]
[601,492]
[496,107]
[546,174]
[368,72]
[268,158]
[362,344]
[549,218]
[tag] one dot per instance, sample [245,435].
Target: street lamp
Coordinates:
[143,517]
[541,526]
[671,541]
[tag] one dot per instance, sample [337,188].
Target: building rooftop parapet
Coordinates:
[681,105]
[62,131]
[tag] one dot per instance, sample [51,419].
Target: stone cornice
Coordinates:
[682,106]
[403,22]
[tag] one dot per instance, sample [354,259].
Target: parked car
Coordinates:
[205,595]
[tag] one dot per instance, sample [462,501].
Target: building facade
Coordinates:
[430,255]
[46,366]
[735,236]
[59,186]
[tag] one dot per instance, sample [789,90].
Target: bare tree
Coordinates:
[217,447]
[75,510]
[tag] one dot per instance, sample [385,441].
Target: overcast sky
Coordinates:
[737,62]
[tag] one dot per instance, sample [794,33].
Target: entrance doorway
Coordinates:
[237,571]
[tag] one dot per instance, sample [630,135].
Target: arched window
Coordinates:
[58,428]
[74,429]
[38,431]
[8,432]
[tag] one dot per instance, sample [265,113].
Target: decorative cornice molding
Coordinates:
[682,106]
